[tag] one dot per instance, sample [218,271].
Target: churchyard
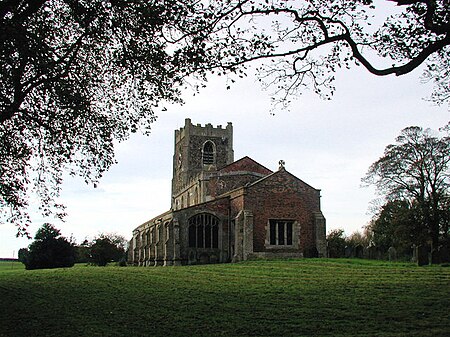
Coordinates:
[307,297]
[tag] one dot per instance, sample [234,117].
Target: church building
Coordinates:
[227,211]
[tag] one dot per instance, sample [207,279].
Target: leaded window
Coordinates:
[280,232]
[203,231]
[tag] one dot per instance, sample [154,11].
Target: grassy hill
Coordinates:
[309,297]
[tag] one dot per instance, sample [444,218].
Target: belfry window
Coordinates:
[280,232]
[203,231]
[208,153]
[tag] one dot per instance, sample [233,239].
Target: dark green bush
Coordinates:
[49,250]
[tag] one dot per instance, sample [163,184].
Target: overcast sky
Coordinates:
[327,144]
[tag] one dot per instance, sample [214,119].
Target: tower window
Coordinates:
[208,153]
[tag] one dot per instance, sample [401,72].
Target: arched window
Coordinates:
[160,233]
[203,231]
[208,153]
[196,198]
[167,224]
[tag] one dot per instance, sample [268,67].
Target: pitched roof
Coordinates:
[281,170]
[245,164]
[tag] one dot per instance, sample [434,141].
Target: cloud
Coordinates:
[328,144]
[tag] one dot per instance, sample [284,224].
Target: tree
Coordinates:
[49,250]
[416,170]
[107,248]
[306,42]
[336,243]
[23,255]
[82,252]
[76,76]
[397,224]
[357,239]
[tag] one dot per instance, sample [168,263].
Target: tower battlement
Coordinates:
[200,130]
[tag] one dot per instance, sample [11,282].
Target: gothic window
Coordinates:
[196,196]
[208,153]
[167,230]
[280,232]
[160,233]
[203,231]
[152,236]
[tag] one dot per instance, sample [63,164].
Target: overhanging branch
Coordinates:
[399,70]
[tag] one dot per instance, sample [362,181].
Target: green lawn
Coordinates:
[309,297]
[11,265]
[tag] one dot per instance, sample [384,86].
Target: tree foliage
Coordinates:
[107,248]
[49,250]
[306,42]
[82,252]
[336,242]
[22,255]
[77,75]
[415,170]
[397,225]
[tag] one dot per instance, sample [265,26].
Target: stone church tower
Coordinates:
[198,152]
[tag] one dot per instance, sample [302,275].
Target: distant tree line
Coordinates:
[103,249]
[413,180]
[51,250]
[341,245]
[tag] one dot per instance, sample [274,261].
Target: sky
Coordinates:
[328,144]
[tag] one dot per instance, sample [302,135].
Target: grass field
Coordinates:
[11,265]
[309,297]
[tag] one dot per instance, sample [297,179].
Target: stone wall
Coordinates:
[283,196]
[220,209]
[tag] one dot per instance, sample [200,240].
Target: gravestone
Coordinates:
[445,254]
[435,256]
[414,254]
[422,255]
[392,253]
[359,252]
[348,251]
[372,252]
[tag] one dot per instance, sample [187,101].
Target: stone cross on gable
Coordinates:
[281,164]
